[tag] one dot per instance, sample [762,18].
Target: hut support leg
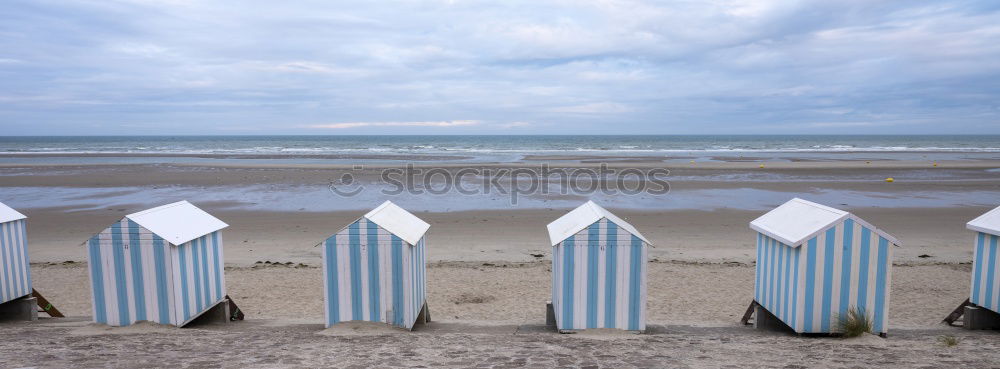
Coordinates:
[979,318]
[46,306]
[25,308]
[957,313]
[749,313]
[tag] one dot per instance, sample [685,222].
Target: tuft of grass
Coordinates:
[949,341]
[855,323]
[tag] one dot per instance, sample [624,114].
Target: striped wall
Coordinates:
[808,287]
[985,291]
[15,271]
[599,279]
[373,275]
[136,275]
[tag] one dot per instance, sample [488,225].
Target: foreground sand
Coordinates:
[274,343]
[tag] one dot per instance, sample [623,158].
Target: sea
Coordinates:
[491,148]
[737,189]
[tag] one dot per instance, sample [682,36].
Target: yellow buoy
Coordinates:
[935,164]
[762,165]
[890,179]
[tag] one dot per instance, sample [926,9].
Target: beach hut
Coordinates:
[15,272]
[815,263]
[163,265]
[375,269]
[985,291]
[598,271]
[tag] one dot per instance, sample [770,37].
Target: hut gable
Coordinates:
[985,291]
[178,222]
[15,268]
[9,215]
[582,217]
[986,223]
[798,221]
[164,265]
[815,263]
[397,221]
[375,269]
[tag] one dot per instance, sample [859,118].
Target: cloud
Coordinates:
[451,123]
[193,67]
[515,125]
[839,124]
[594,108]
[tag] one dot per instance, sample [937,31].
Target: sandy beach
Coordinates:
[489,269]
[516,184]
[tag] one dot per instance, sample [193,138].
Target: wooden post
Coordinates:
[957,313]
[46,305]
[749,313]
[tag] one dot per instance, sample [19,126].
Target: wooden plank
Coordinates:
[957,313]
[46,305]
[234,311]
[749,313]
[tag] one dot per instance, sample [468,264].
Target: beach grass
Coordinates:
[949,341]
[855,323]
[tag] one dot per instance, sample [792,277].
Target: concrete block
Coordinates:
[25,308]
[424,315]
[217,314]
[763,319]
[980,318]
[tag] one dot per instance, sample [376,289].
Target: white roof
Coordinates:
[9,215]
[799,220]
[177,223]
[986,223]
[399,222]
[582,217]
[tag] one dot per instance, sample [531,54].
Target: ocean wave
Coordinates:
[461,150]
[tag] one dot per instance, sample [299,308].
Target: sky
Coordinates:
[107,67]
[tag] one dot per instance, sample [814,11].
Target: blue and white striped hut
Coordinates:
[985,291]
[15,271]
[375,269]
[598,271]
[815,263]
[163,265]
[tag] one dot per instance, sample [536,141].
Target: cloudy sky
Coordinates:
[499,67]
